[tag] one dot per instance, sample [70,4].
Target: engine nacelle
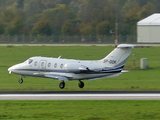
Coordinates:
[76,68]
[83,69]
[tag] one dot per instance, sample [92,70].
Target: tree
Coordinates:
[32,7]
[6,3]
[103,28]
[86,29]
[58,16]
[42,27]
[66,29]
[20,4]
[52,3]
[91,10]
[15,26]
[91,14]
[7,15]
[148,9]
[2,27]
[131,17]
[71,27]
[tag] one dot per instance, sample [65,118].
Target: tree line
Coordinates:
[73,17]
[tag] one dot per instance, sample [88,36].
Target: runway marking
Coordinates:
[80,97]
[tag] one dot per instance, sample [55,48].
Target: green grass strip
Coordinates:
[135,79]
[80,110]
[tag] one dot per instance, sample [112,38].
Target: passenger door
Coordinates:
[42,66]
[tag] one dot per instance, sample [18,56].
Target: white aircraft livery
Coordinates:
[70,69]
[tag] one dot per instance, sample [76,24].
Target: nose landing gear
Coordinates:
[20,80]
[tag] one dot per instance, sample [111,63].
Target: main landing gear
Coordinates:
[62,84]
[81,84]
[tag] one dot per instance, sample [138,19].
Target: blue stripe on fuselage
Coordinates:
[114,70]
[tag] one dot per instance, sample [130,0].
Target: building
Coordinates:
[148,29]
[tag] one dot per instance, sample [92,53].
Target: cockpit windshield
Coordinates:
[29,61]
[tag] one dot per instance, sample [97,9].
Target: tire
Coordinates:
[62,85]
[81,84]
[20,81]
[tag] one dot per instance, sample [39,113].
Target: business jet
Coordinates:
[71,69]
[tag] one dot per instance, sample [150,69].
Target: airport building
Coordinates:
[148,29]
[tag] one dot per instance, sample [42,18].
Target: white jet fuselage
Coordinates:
[70,69]
[65,68]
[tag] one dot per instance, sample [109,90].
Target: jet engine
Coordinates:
[76,68]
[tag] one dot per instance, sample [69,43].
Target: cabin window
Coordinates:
[61,66]
[55,65]
[49,64]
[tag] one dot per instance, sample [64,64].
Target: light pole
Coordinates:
[115,32]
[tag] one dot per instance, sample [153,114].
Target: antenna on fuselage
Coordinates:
[59,57]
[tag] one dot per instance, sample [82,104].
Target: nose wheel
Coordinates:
[62,85]
[81,84]
[20,80]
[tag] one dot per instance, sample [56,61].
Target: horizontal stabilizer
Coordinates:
[125,71]
[109,76]
[125,46]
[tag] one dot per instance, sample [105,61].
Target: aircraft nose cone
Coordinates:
[10,70]
[15,68]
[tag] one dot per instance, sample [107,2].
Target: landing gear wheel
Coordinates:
[62,85]
[20,80]
[81,84]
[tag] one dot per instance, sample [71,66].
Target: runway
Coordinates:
[81,95]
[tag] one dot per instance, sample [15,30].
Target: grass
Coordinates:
[80,110]
[135,79]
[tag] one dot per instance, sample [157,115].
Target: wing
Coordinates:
[60,76]
[57,77]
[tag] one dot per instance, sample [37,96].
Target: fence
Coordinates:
[66,39]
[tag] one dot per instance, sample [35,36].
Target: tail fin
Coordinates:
[118,57]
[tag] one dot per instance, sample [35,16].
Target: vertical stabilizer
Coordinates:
[118,57]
